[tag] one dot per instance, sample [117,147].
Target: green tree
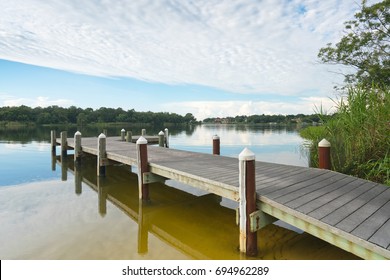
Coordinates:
[365,47]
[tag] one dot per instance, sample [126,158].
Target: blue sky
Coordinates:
[210,58]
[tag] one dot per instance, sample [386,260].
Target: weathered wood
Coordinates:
[53,142]
[64,146]
[166,132]
[324,154]
[129,136]
[77,146]
[247,203]
[102,155]
[142,160]
[216,145]
[161,139]
[123,134]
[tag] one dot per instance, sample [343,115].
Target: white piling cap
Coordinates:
[102,135]
[123,130]
[215,137]
[141,141]
[166,129]
[246,155]
[324,143]
[161,133]
[77,133]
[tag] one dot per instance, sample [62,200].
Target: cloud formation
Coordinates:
[205,109]
[40,101]
[243,46]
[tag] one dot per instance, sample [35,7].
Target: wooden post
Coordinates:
[166,137]
[105,132]
[247,193]
[216,145]
[142,160]
[161,139]
[77,146]
[143,132]
[64,143]
[129,136]
[64,167]
[102,196]
[78,178]
[123,132]
[101,159]
[53,141]
[143,233]
[324,154]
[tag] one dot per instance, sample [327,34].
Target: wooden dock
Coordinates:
[348,212]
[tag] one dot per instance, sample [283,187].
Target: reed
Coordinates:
[359,132]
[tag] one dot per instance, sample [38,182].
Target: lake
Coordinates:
[53,210]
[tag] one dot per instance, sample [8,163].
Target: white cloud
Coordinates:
[40,101]
[205,109]
[242,46]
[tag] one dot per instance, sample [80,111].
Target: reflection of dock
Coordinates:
[178,218]
[350,213]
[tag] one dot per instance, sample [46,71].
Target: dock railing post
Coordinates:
[53,141]
[123,133]
[216,145]
[161,139]
[129,136]
[77,147]
[324,154]
[142,160]
[64,143]
[166,132]
[101,166]
[247,205]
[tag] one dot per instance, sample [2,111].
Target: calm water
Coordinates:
[51,210]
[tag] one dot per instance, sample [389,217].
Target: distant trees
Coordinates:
[79,116]
[260,119]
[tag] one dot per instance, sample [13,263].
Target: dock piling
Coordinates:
[324,154]
[53,141]
[166,132]
[123,132]
[216,145]
[77,146]
[129,136]
[101,159]
[142,161]
[143,132]
[64,143]
[247,203]
[161,139]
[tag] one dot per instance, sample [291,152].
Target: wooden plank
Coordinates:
[382,236]
[368,228]
[357,217]
[333,205]
[296,190]
[347,209]
[309,196]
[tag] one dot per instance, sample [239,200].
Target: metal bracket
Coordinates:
[104,162]
[149,177]
[258,219]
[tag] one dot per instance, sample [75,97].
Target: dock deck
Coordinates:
[348,212]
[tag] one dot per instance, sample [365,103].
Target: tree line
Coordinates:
[266,119]
[79,116]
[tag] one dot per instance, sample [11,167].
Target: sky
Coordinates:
[211,58]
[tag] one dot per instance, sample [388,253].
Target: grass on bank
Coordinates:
[359,133]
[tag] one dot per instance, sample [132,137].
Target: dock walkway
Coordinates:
[351,213]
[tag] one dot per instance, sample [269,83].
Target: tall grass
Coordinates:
[359,132]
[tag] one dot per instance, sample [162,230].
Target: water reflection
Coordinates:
[196,225]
